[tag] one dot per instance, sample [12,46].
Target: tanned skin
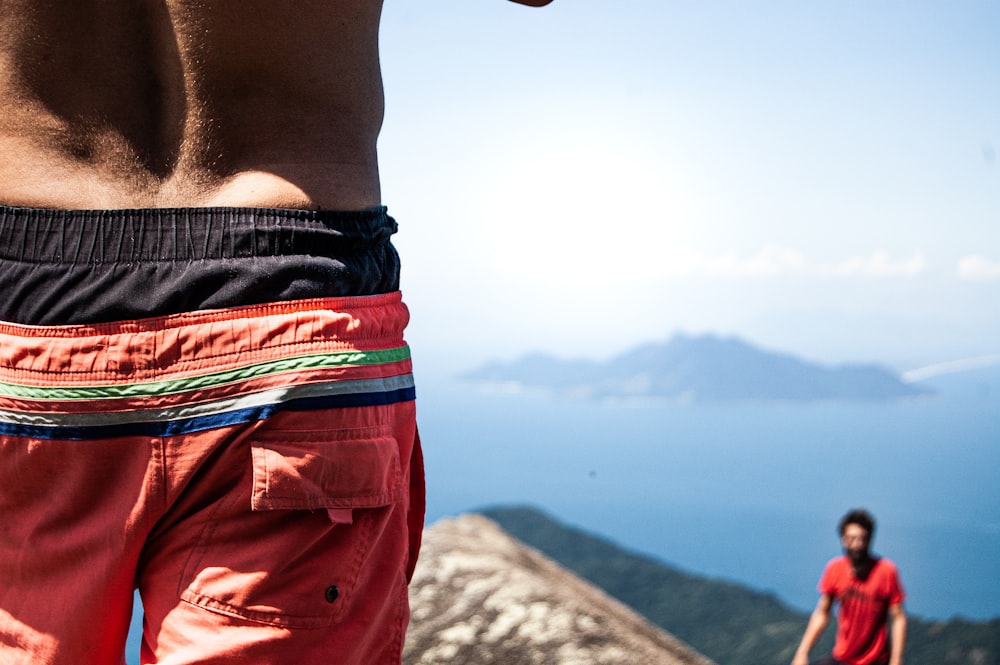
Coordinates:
[187,103]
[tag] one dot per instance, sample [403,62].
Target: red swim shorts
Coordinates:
[254,472]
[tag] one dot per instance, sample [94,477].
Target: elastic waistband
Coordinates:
[42,235]
[193,343]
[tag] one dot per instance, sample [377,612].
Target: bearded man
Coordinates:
[870,598]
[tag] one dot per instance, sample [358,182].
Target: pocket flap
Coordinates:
[343,469]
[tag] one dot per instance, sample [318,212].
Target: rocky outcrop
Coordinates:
[479,596]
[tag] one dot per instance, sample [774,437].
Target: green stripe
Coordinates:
[207,381]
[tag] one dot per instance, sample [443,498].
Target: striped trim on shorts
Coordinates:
[196,371]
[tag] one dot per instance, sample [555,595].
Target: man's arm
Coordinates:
[817,624]
[897,629]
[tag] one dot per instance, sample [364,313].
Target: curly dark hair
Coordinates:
[861,517]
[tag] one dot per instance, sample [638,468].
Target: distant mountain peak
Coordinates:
[703,368]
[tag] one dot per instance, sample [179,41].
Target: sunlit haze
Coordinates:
[820,178]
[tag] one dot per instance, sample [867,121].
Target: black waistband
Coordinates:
[41,235]
[61,267]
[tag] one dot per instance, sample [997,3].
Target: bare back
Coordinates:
[181,103]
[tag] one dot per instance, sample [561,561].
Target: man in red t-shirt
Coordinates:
[871,597]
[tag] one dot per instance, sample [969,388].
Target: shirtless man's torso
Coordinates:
[205,390]
[187,103]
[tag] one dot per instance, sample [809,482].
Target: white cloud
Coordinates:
[768,261]
[977,267]
[963,365]
[776,261]
[594,250]
[879,264]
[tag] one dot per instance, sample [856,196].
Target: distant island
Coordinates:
[703,368]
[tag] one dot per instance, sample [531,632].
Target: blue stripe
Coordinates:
[203,423]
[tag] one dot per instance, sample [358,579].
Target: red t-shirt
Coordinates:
[862,638]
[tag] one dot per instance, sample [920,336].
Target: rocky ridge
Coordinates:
[480,596]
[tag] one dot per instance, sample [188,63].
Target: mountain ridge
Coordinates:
[480,596]
[702,368]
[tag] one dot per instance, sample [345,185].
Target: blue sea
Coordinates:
[747,492]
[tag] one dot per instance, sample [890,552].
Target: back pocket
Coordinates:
[347,469]
[286,549]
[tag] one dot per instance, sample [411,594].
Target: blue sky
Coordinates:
[818,177]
